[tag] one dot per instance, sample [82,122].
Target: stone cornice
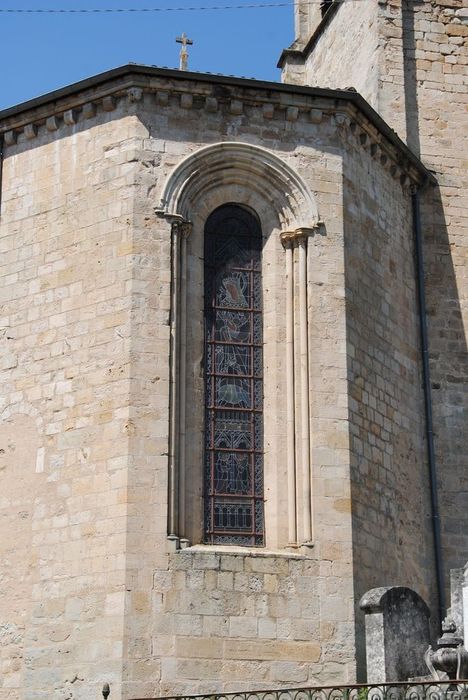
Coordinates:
[124,87]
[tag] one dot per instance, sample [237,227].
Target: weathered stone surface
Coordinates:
[70,117]
[211,104]
[86,301]
[108,103]
[397,634]
[186,101]
[465,605]
[30,131]
[455,612]
[52,124]
[411,64]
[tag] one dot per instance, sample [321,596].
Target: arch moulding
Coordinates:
[239,167]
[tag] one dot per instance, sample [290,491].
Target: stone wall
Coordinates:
[439,102]
[421,66]
[306,18]
[242,621]
[390,493]
[87,284]
[222,618]
[208,618]
[66,321]
[352,31]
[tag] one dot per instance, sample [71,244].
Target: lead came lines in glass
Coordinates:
[234,390]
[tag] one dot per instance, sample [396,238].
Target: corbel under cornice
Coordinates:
[123,89]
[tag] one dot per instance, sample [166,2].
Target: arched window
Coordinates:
[239,472]
[233,452]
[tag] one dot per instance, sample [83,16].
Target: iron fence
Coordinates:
[418,690]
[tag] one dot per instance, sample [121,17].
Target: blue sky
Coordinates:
[41,52]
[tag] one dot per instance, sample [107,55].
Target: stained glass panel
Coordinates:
[232,431]
[234,359]
[232,473]
[233,393]
[231,516]
[233,289]
[232,326]
[233,378]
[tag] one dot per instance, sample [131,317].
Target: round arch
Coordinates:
[247,172]
[249,176]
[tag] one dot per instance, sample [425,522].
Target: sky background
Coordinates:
[42,52]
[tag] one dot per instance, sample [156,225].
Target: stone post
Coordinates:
[397,634]
[455,612]
[465,606]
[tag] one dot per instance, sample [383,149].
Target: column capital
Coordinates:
[184,228]
[287,239]
[291,239]
[178,223]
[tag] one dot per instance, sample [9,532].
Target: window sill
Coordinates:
[234,550]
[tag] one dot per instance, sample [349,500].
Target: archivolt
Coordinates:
[240,165]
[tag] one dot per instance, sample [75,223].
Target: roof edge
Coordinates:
[107,78]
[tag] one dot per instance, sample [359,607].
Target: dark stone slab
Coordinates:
[397,634]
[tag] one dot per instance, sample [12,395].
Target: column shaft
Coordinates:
[174,360]
[290,410]
[304,365]
[182,381]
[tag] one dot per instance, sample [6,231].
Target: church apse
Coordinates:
[107,311]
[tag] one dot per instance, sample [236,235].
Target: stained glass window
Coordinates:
[233,378]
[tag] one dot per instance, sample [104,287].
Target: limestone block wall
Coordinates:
[208,618]
[65,239]
[87,296]
[246,620]
[392,536]
[352,32]
[390,490]
[438,106]
[306,18]
[85,413]
[227,618]
[419,55]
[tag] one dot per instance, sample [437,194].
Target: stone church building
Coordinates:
[233,360]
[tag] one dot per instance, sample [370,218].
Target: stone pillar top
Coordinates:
[397,633]
[382,598]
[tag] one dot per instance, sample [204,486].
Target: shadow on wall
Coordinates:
[448,357]
[393,541]
[410,76]
[448,354]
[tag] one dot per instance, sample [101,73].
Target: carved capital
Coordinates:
[287,239]
[184,228]
[299,236]
[179,225]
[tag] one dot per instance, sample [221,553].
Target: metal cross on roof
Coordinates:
[183,51]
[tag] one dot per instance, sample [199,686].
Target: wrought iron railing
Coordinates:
[424,690]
